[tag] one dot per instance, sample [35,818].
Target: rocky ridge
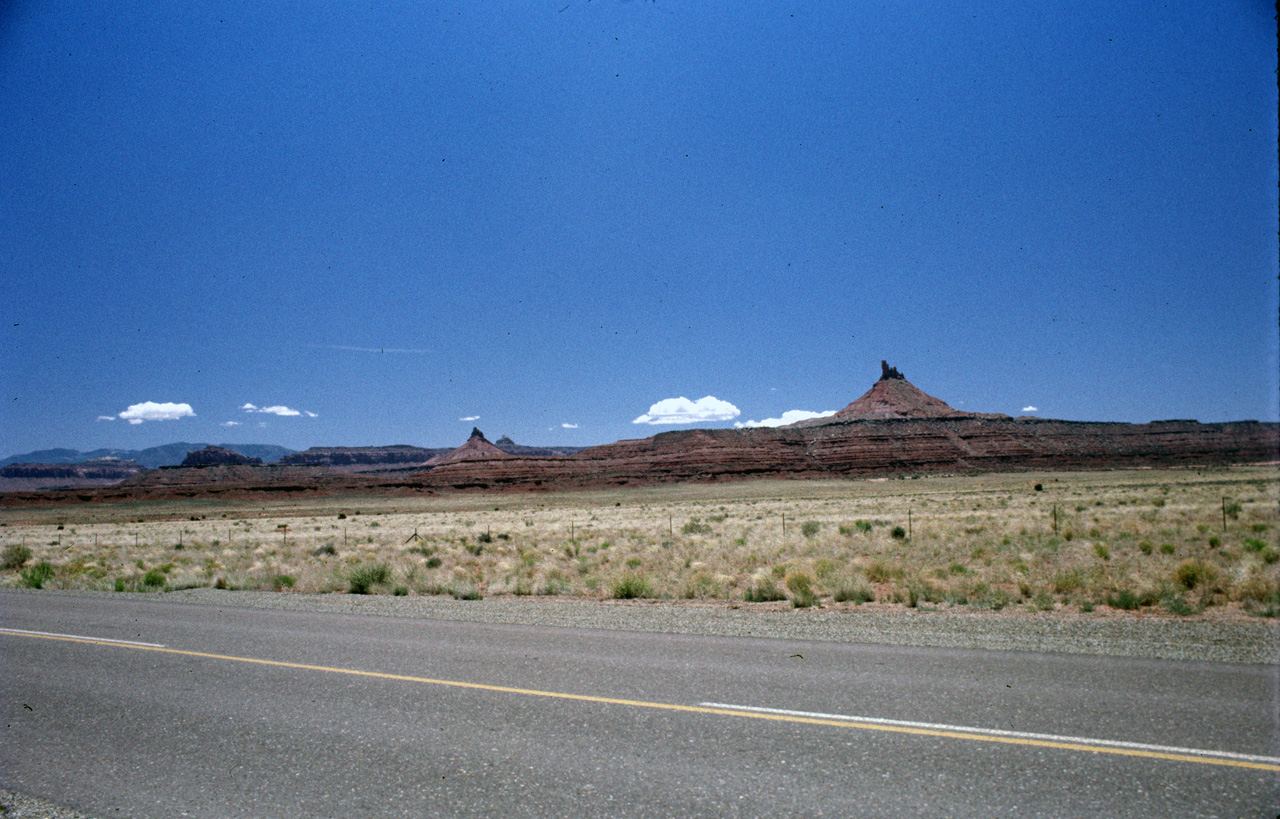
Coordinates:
[149,458]
[402,458]
[870,447]
[893,429]
[37,476]
[367,459]
[512,448]
[217,456]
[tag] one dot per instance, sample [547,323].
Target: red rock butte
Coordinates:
[893,396]
[892,429]
[477,447]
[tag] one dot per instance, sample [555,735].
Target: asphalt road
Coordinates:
[238,712]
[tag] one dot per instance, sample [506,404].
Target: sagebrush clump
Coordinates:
[983,542]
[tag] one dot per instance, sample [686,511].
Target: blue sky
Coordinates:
[550,220]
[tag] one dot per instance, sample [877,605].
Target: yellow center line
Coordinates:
[667,706]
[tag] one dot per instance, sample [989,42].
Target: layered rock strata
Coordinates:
[871,447]
[364,459]
[512,448]
[893,429]
[217,456]
[34,477]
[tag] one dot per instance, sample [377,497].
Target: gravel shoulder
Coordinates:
[1124,635]
[14,805]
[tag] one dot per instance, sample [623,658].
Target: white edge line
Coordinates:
[935,726]
[1109,743]
[80,637]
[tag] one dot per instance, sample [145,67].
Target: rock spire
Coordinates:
[887,372]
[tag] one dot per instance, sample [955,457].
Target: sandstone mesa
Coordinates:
[893,429]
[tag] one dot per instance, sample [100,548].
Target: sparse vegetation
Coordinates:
[1124,600]
[763,590]
[982,542]
[1193,573]
[696,527]
[854,592]
[364,578]
[15,556]
[38,575]
[800,584]
[630,586]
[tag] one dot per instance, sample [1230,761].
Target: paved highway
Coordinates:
[134,706]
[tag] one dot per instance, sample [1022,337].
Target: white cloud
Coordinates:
[275,410]
[569,426]
[683,411]
[788,417]
[310,414]
[151,411]
[1030,409]
[106,418]
[469,418]
[230,423]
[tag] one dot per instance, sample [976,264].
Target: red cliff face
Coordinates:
[894,429]
[870,447]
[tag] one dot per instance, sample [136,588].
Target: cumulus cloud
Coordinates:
[788,417]
[276,410]
[469,418]
[683,411]
[569,426]
[1030,409]
[230,423]
[151,411]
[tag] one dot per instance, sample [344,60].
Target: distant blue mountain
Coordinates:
[151,458]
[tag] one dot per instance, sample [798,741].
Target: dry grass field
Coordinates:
[1189,542]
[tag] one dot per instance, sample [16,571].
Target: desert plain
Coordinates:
[1186,542]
